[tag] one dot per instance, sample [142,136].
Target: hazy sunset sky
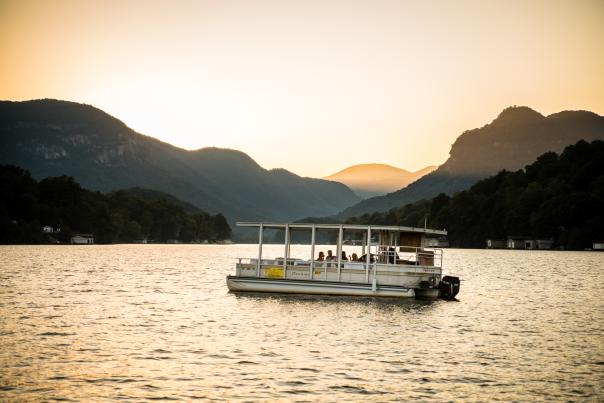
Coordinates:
[309,86]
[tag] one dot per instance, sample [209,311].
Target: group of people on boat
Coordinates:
[390,256]
[331,257]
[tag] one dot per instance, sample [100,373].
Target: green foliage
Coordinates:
[53,138]
[516,138]
[558,196]
[122,216]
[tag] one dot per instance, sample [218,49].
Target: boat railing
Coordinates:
[387,259]
[410,255]
[388,255]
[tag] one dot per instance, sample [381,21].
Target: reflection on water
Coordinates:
[342,302]
[157,322]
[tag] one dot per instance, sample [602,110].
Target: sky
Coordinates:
[310,86]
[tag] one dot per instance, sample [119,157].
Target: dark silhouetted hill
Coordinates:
[54,138]
[27,205]
[511,141]
[557,198]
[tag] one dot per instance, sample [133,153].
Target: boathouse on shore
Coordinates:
[496,244]
[524,242]
[82,239]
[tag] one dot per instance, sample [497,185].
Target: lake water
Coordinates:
[157,322]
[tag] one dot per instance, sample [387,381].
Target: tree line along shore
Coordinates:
[558,197]
[56,209]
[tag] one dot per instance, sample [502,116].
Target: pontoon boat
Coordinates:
[393,262]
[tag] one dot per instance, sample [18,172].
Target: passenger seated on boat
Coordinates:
[344,257]
[321,257]
[354,258]
[330,255]
[364,258]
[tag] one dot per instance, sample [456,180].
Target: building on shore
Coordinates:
[496,244]
[441,242]
[544,244]
[525,242]
[598,245]
[47,229]
[82,239]
[517,242]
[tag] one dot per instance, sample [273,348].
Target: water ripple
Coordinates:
[155,322]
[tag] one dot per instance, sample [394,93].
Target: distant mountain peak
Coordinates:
[373,179]
[517,115]
[511,141]
[369,168]
[426,170]
[580,113]
[53,138]
[55,110]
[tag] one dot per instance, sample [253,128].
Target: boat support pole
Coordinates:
[363,243]
[312,252]
[368,254]
[259,266]
[374,274]
[340,237]
[286,254]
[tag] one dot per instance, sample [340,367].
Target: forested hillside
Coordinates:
[53,138]
[514,139]
[558,196]
[27,205]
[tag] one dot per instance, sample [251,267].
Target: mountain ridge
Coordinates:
[512,140]
[558,197]
[53,138]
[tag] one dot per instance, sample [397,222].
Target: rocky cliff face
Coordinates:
[51,138]
[511,141]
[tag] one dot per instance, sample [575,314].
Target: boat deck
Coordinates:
[394,261]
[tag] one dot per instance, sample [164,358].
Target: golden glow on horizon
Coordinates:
[310,86]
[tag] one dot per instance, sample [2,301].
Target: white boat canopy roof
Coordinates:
[357,227]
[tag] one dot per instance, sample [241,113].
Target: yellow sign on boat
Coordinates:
[274,272]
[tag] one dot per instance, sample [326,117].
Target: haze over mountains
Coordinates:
[53,138]
[511,141]
[368,180]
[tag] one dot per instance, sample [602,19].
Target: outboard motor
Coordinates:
[448,287]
